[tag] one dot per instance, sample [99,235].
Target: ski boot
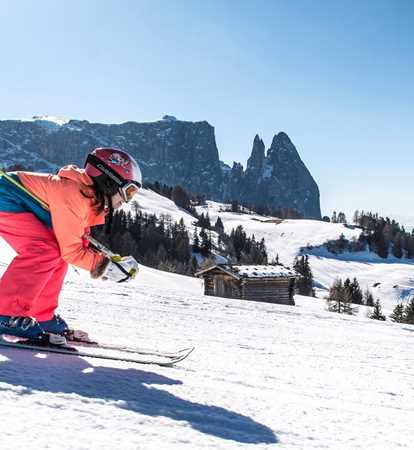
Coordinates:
[56,325]
[21,327]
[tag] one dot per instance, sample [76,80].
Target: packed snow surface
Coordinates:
[262,376]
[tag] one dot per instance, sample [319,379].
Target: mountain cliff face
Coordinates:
[172,152]
[279,178]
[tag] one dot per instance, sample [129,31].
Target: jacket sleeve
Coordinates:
[69,211]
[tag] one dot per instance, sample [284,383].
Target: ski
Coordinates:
[112,354]
[81,339]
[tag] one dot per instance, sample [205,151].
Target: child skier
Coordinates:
[47,238]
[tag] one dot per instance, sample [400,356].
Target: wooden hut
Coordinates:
[271,283]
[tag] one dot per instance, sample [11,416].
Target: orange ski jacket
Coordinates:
[72,213]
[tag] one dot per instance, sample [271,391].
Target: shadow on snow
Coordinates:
[71,374]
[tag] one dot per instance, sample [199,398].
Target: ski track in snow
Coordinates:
[262,376]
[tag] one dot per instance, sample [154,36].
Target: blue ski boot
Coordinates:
[56,325]
[25,327]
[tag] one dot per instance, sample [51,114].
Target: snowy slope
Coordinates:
[150,202]
[263,376]
[390,280]
[284,238]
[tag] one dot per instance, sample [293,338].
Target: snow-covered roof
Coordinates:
[264,271]
[253,271]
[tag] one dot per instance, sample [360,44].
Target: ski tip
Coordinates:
[184,350]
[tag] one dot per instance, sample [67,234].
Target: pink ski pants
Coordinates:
[33,280]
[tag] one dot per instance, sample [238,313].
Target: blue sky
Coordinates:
[336,76]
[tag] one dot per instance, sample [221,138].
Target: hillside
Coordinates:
[262,376]
[390,280]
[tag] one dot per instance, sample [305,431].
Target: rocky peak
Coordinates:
[281,144]
[255,162]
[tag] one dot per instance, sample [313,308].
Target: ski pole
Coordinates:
[101,247]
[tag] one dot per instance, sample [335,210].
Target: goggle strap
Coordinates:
[104,168]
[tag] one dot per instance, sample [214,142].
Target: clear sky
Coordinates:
[337,76]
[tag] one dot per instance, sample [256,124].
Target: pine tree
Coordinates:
[339,299]
[235,207]
[205,246]
[356,217]
[180,197]
[347,287]
[341,218]
[397,247]
[305,283]
[377,312]
[356,292]
[398,313]
[196,241]
[368,298]
[409,312]
[161,254]
[342,243]
[193,266]
[219,227]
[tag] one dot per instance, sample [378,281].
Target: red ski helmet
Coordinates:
[117,165]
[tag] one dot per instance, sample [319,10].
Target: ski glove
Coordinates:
[117,268]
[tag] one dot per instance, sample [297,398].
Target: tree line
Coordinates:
[282,212]
[165,244]
[344,295]
[383,236]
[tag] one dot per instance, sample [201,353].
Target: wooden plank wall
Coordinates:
[208,285]
[276,290]
[262,290]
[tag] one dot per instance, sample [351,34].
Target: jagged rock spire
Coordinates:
[255,162]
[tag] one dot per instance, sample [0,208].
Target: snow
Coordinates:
[267,172]
[150,202]
[51,123]
[286,239]
[53,119]
[263,271]
[263,376]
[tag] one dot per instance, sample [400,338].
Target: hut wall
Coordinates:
[208,285]
[276,290]
[226,286]
[220,284]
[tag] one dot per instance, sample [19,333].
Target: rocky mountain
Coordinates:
[170,151]
[278,177]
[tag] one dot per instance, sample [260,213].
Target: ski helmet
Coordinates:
[118,166]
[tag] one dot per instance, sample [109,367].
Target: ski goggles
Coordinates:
[128,191]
